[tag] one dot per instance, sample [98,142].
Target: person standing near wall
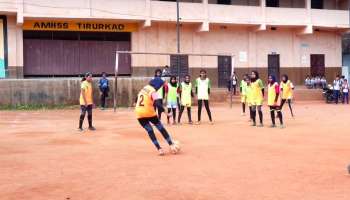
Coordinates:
[336,88]
[160,92]
[257,87]
[171,92]
[273,93]
[104,89]
[86,101]
[234,81]
[287,88]
[186,94]
[243,92]
[345,88]
[203,85]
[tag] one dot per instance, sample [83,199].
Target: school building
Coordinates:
[68,38]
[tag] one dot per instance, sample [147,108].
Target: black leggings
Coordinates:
[182,108]
[83,110]
[289,104]
[254,108]
[159,111]
[206,104]
[279,114]
[145,123]
[173,110]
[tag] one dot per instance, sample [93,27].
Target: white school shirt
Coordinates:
[336,84]
[346,88]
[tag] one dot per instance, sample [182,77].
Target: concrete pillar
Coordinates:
[204,27]
[15,47]
[252,51]
[263,15]
[148,11]
[20,11]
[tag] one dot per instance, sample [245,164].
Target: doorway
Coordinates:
[273,63]
[317,65]
[224,70]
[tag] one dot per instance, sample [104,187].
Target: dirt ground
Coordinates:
[42,156]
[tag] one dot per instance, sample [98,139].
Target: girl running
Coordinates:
[146,114]
[171,90]
[287,88]
[186,95]
[257,97]
[242,90]
[203,85]
[273,96]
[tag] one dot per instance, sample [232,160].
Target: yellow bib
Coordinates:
[287,90]
[271,92]
[256,92]
[87,89]
[144,105]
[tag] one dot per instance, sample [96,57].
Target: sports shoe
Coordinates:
[272,126]
[282,126]
[174,149]
[211,123]
[190,122]
[260,125]
[253,124]
[161,152]
[198,123]
[80,129]
[91,128]
[242,114]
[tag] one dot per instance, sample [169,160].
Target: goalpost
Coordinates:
[158,59]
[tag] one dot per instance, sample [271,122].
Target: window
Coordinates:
[272,3]
[225,2]
[317,4]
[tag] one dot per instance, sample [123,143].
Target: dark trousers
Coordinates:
[146,124]
[83,111]
[182,108]
[346,97]
[206,104]
[289,104]
[254,109]
[160,102]
[336,95]
[104,95]
[234,88]
[277,109]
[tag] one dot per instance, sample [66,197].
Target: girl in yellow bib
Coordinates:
[86,101]
[146,113]
[242,90]
[248,95]
[257,97]
[186,95]
[287,88]
[273,92]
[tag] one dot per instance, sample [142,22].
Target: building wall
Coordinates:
[294,49]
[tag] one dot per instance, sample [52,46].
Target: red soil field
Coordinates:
[42,156]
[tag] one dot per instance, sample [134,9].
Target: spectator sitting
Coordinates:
[323,82]
[166,71]
[308,82]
